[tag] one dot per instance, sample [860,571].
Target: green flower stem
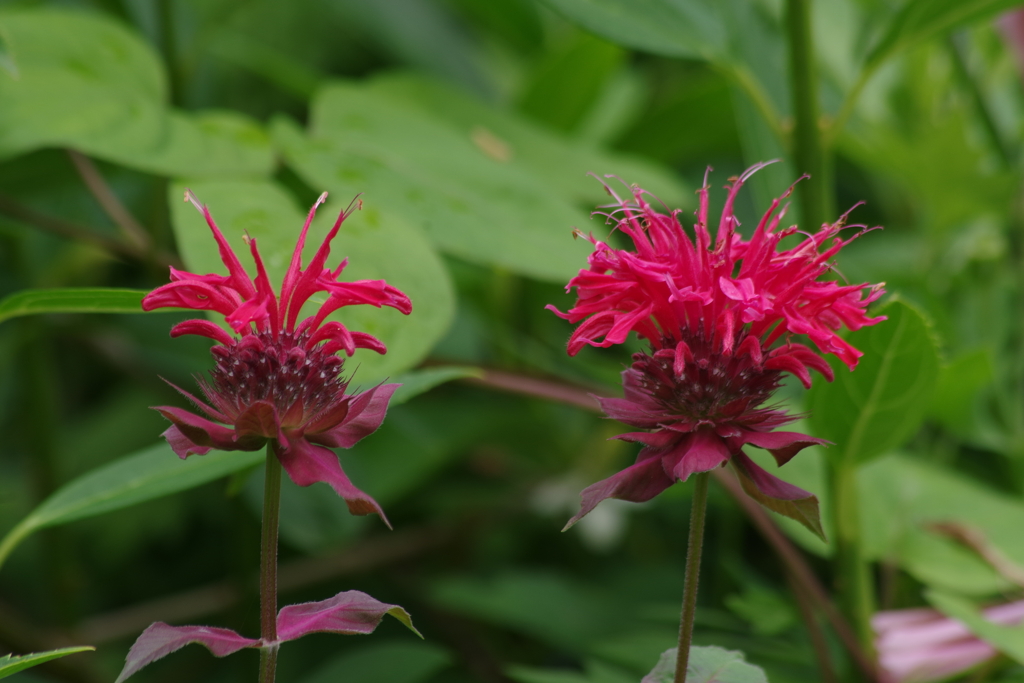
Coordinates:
[268,566]
[808,150]
[693,550]
[856,590]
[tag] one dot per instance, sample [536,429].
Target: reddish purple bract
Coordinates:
[719,318]
[280,380]
[347,613]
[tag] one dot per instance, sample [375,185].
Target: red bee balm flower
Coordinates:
[280,381]
[719,321]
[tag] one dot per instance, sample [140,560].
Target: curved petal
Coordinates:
[628,412]
[182,445]
[307,464]
[203,328]
[778,495]
[637,483]
[656,440]
[782,445]
[701,451]
[160,640]
[197,432]
[365,413]
[259,419]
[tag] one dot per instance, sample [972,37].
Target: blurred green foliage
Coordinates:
[467,127]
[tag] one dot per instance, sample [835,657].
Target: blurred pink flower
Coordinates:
[719,320]
[280,380]
[918,645]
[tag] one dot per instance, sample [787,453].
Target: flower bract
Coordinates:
[720,316]
[280,379]
[347,613]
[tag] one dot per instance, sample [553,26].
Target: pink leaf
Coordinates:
[347,613]
[160,640]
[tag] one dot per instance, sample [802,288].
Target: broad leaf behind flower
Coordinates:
[707,665]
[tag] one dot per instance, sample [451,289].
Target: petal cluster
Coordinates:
[280,379]
[673,288]
[720,314]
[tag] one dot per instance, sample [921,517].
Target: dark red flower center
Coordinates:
[713,387]
[301,381]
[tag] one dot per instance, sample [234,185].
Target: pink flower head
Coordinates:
[719,317]
[280,379]
[918,645]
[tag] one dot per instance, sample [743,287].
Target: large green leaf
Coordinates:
[82,78]
[561,164]
[71,300]
[680,28]
[707,665]
[566,85]
[458,185]
[741,38]
[378,244]
[11,664]
[900,498]
[212,143]
[151,473]
[919,20]
[390,662]
[959,382]
[1007,639]
[87,82]
[881,404]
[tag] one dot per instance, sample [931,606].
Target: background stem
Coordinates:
[693,551]
[268,566]
[808,151]
[856,591]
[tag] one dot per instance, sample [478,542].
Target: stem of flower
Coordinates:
[268,567]
[808,151]
[693,550]
[856,592]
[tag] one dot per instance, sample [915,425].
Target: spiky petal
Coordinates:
[719,315]
[280,380]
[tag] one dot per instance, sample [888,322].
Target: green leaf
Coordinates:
[522,600]
[378,245]
[595,672]
[148,474]
[881,404]
[7,62]
[959,381]
[919,20]
[203,144]
[900,497]
[566,86]
[1007,639]
[86,82]
[71,300]
[560,164]
[684,28]
[83,81]
[707,665]
[420,381]
[393,662]
[11,664]
[465,195]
